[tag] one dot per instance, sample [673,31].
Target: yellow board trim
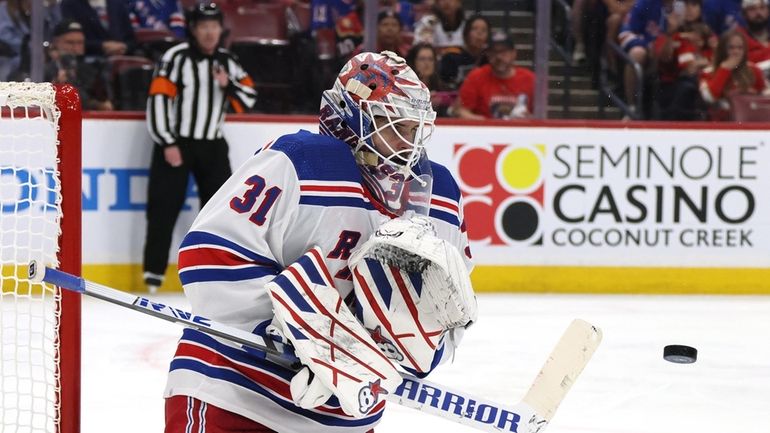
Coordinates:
[516,279]
[622,280]
[128,277]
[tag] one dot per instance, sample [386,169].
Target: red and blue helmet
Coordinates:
[374,92]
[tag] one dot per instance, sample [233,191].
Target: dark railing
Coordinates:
[607,90]
[565,51]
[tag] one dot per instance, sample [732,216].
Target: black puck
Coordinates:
[680,354]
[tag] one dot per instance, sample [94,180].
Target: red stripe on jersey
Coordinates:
[212,357]
[208,256]
[353,189]
[444,203]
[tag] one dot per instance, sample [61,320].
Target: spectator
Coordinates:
[615,12]
[731,73]
[67,65]
[158,15]
[681,53]
[389,29]
[757,17]
[106,25]
[722,15]
[185,112]
[349,32]
[644,23]
[577,18]
[388,35]
[326,13]
[457,63]
[15,35]
[404,11]
[325,16]
[499,89]
[423,60]
[443,27]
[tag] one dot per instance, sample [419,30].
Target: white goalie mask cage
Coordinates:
[382,110]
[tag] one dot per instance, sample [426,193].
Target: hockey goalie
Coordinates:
[349,245]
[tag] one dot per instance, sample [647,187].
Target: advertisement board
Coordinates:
[549,207]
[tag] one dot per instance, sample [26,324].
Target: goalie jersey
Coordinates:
[301,191]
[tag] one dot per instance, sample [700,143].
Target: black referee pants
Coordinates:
[166,193]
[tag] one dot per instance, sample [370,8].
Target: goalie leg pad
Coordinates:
[328,339]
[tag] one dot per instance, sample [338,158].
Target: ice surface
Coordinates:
[626,388]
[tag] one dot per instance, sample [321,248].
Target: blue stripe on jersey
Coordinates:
[238,355]
[294,295]
[380,280]
[444,216]
[242,356]
[236,378]
[197,238]
[335,202]
[188,276]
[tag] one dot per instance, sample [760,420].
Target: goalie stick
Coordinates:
[530,415]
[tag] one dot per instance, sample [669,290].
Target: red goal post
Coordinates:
[40,217]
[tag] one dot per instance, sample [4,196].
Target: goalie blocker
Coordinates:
[338,354]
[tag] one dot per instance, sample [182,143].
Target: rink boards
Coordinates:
[557,207]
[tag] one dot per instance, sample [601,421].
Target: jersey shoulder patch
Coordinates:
[318,157]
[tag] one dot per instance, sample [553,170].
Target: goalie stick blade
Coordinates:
[562,368]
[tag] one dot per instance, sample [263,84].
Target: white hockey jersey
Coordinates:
[301,191]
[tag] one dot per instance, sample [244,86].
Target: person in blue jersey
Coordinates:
[647,20]
[722,15]
[319,228]
[158,15]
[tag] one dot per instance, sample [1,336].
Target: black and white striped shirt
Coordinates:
[186,102]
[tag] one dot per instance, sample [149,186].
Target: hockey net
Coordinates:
[39,219]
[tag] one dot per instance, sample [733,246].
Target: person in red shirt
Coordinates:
[681,53]
[730,74]
[498,89]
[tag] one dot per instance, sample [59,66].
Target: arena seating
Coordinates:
[130,77]
[750,108]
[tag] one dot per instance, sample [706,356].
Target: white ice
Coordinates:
[626,388]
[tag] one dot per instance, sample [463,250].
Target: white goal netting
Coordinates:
[30,215]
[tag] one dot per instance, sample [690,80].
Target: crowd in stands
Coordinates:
[698,57]
[108,49]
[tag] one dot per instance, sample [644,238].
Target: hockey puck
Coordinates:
[680,354]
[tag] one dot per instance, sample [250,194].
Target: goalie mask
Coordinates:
[382,110]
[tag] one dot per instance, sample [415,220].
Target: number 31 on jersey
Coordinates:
[254,197]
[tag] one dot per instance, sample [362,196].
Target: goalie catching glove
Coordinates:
[338,355]
[411,287]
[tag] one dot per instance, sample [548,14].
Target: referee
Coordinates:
[185,111]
